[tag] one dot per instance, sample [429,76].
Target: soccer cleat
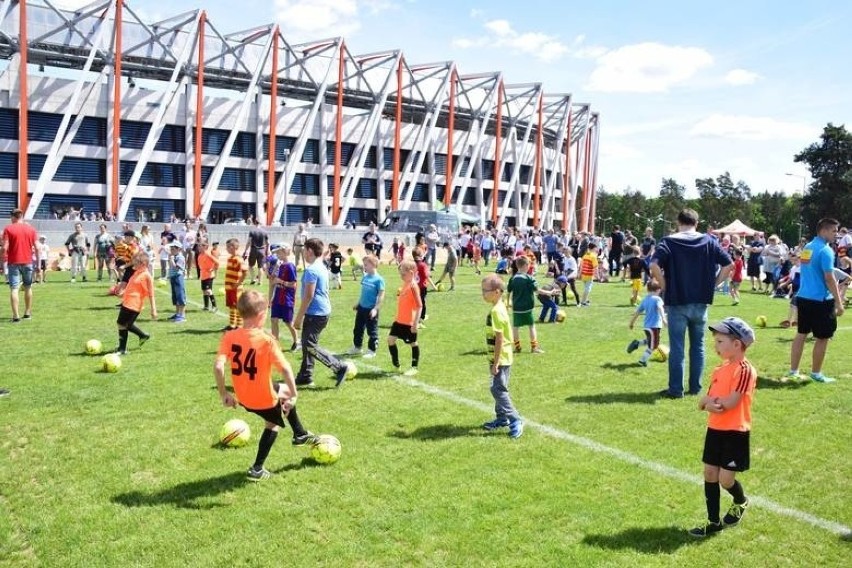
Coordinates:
[173,317]
[665,393]
[706,530]
[340,376]
[517,349]
[296,346]
[735,514]
[306,438]
[411,372]
[258,474]
[122,352]
[28,316]
[369,355]
[633,346]
[179,319]
[144,339]
[537,350]
[820,378]
[516,428]
[5,392]
[643,362]
[354,351]
[495,424]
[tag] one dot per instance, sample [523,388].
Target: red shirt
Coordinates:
[737,275]
[422,274]
[21,239]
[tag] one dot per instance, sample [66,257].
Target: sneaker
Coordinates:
[73,280]
[120,352]
[706,530]
[16,320]
[304,439]
[205,309]
[173,317]
[179,319]
[516,428]
[354,351]
[411,372]
[735,514]
[517,349]
[144,339]
[820,378]
[305,384]
[495,424]
[296,346]
[214,310]
[791,376]
[340,376]
[537,350]
[665,393]
[643,362]
[369,355]
[258,474]
[633,346]
[5,392]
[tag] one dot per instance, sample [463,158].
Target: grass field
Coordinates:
[122,469]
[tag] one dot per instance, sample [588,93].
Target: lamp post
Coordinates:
[604,220]
[803,178]
[286,155]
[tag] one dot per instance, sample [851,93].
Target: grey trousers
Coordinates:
[312,326]
[503,407]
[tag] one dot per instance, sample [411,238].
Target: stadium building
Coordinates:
[146,120]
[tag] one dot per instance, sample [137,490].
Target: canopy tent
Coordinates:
[737,227]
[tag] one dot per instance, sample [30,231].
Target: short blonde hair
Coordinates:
[408,266]
[494,282]
[371,259]
[251,303]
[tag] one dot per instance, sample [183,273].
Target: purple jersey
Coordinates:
[285,296]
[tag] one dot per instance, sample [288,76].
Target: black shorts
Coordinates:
[126,317]
[403,332]
[206,284]
[274,414]
[728,449]
[816,317]
[255,257]
[128,272]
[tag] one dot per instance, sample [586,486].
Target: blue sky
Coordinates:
[684,89]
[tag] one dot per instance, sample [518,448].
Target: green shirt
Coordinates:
[523,288]
[498,321]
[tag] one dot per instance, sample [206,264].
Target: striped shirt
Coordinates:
[124,251]
[235,272]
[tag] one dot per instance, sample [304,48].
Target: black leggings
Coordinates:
[571,283]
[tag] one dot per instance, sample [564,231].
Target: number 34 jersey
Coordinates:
[253,354]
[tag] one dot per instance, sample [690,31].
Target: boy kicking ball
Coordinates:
[728,403]
[252,355]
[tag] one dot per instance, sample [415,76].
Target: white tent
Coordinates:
[736,227]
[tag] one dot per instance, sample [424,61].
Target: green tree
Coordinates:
[672,199]
[830,164]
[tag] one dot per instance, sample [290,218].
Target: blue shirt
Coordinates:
[815,260]
[320,304]
[689,261]
[651,306]
[550,242]
[371,285]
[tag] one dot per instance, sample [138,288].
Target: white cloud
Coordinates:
[476,13]
[619,151]
[502,34]
[742,127]
[318,19]
[738,77]
[647,68]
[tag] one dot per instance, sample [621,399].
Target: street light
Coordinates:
[604,219]
[803,178]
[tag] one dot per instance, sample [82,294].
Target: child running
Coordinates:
[497,329]
[726,444]
[252,355]
[407,319]
[140,285]
[655,319]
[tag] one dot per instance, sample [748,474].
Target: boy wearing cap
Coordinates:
[177,273]
[547,295]
[728,403]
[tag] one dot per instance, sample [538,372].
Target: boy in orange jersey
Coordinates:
[140,285]
[209,266]
[235,275]
[726,445]
[253,355]
[407,318]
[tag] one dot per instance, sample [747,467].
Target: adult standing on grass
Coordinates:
[313,315]
[299,240]
[685,264]
[819,301]
[256,251]
[78,249]
[19,241]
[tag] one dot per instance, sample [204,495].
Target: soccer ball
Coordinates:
[111,362]
[351,370]
[561,315]
[162,282]
[760,321]
[661,353]
[94,347]
[235,433]
[326,449]
[439,287]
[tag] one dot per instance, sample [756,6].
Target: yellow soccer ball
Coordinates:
[111,362]
[560,316]
[660,354]
[326,449]
[94,347]
[760,321]
[439,287]
[235,433]
[351,370]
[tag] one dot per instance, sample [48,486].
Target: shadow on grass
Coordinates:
[782,383]
[784,339]
[621,367]
[646,540]
[98,308]
[480,352]
[193,331]
[373,375]
[615,398]
[436,432]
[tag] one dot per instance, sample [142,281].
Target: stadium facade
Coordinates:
[148,120]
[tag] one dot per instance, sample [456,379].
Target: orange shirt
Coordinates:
[253,354]
[408,302]
[140,287]
[208,265]
[587,266]
[733,376]
[234,272]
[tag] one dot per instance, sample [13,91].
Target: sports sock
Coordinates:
[232,317]
[517,344]
[295,423]
[206,301]
[263,447]
[394,351]
[534,344]
[415,355]
[646,355]
[212,300]
[134,329]
[711,497]
[122,339]
[736,491]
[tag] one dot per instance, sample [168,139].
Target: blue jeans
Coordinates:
[548,310]
[691,318]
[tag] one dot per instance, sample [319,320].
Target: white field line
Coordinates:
[659,468]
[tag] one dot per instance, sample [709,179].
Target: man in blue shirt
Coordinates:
[685,265]
[314,311]
[818,300]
